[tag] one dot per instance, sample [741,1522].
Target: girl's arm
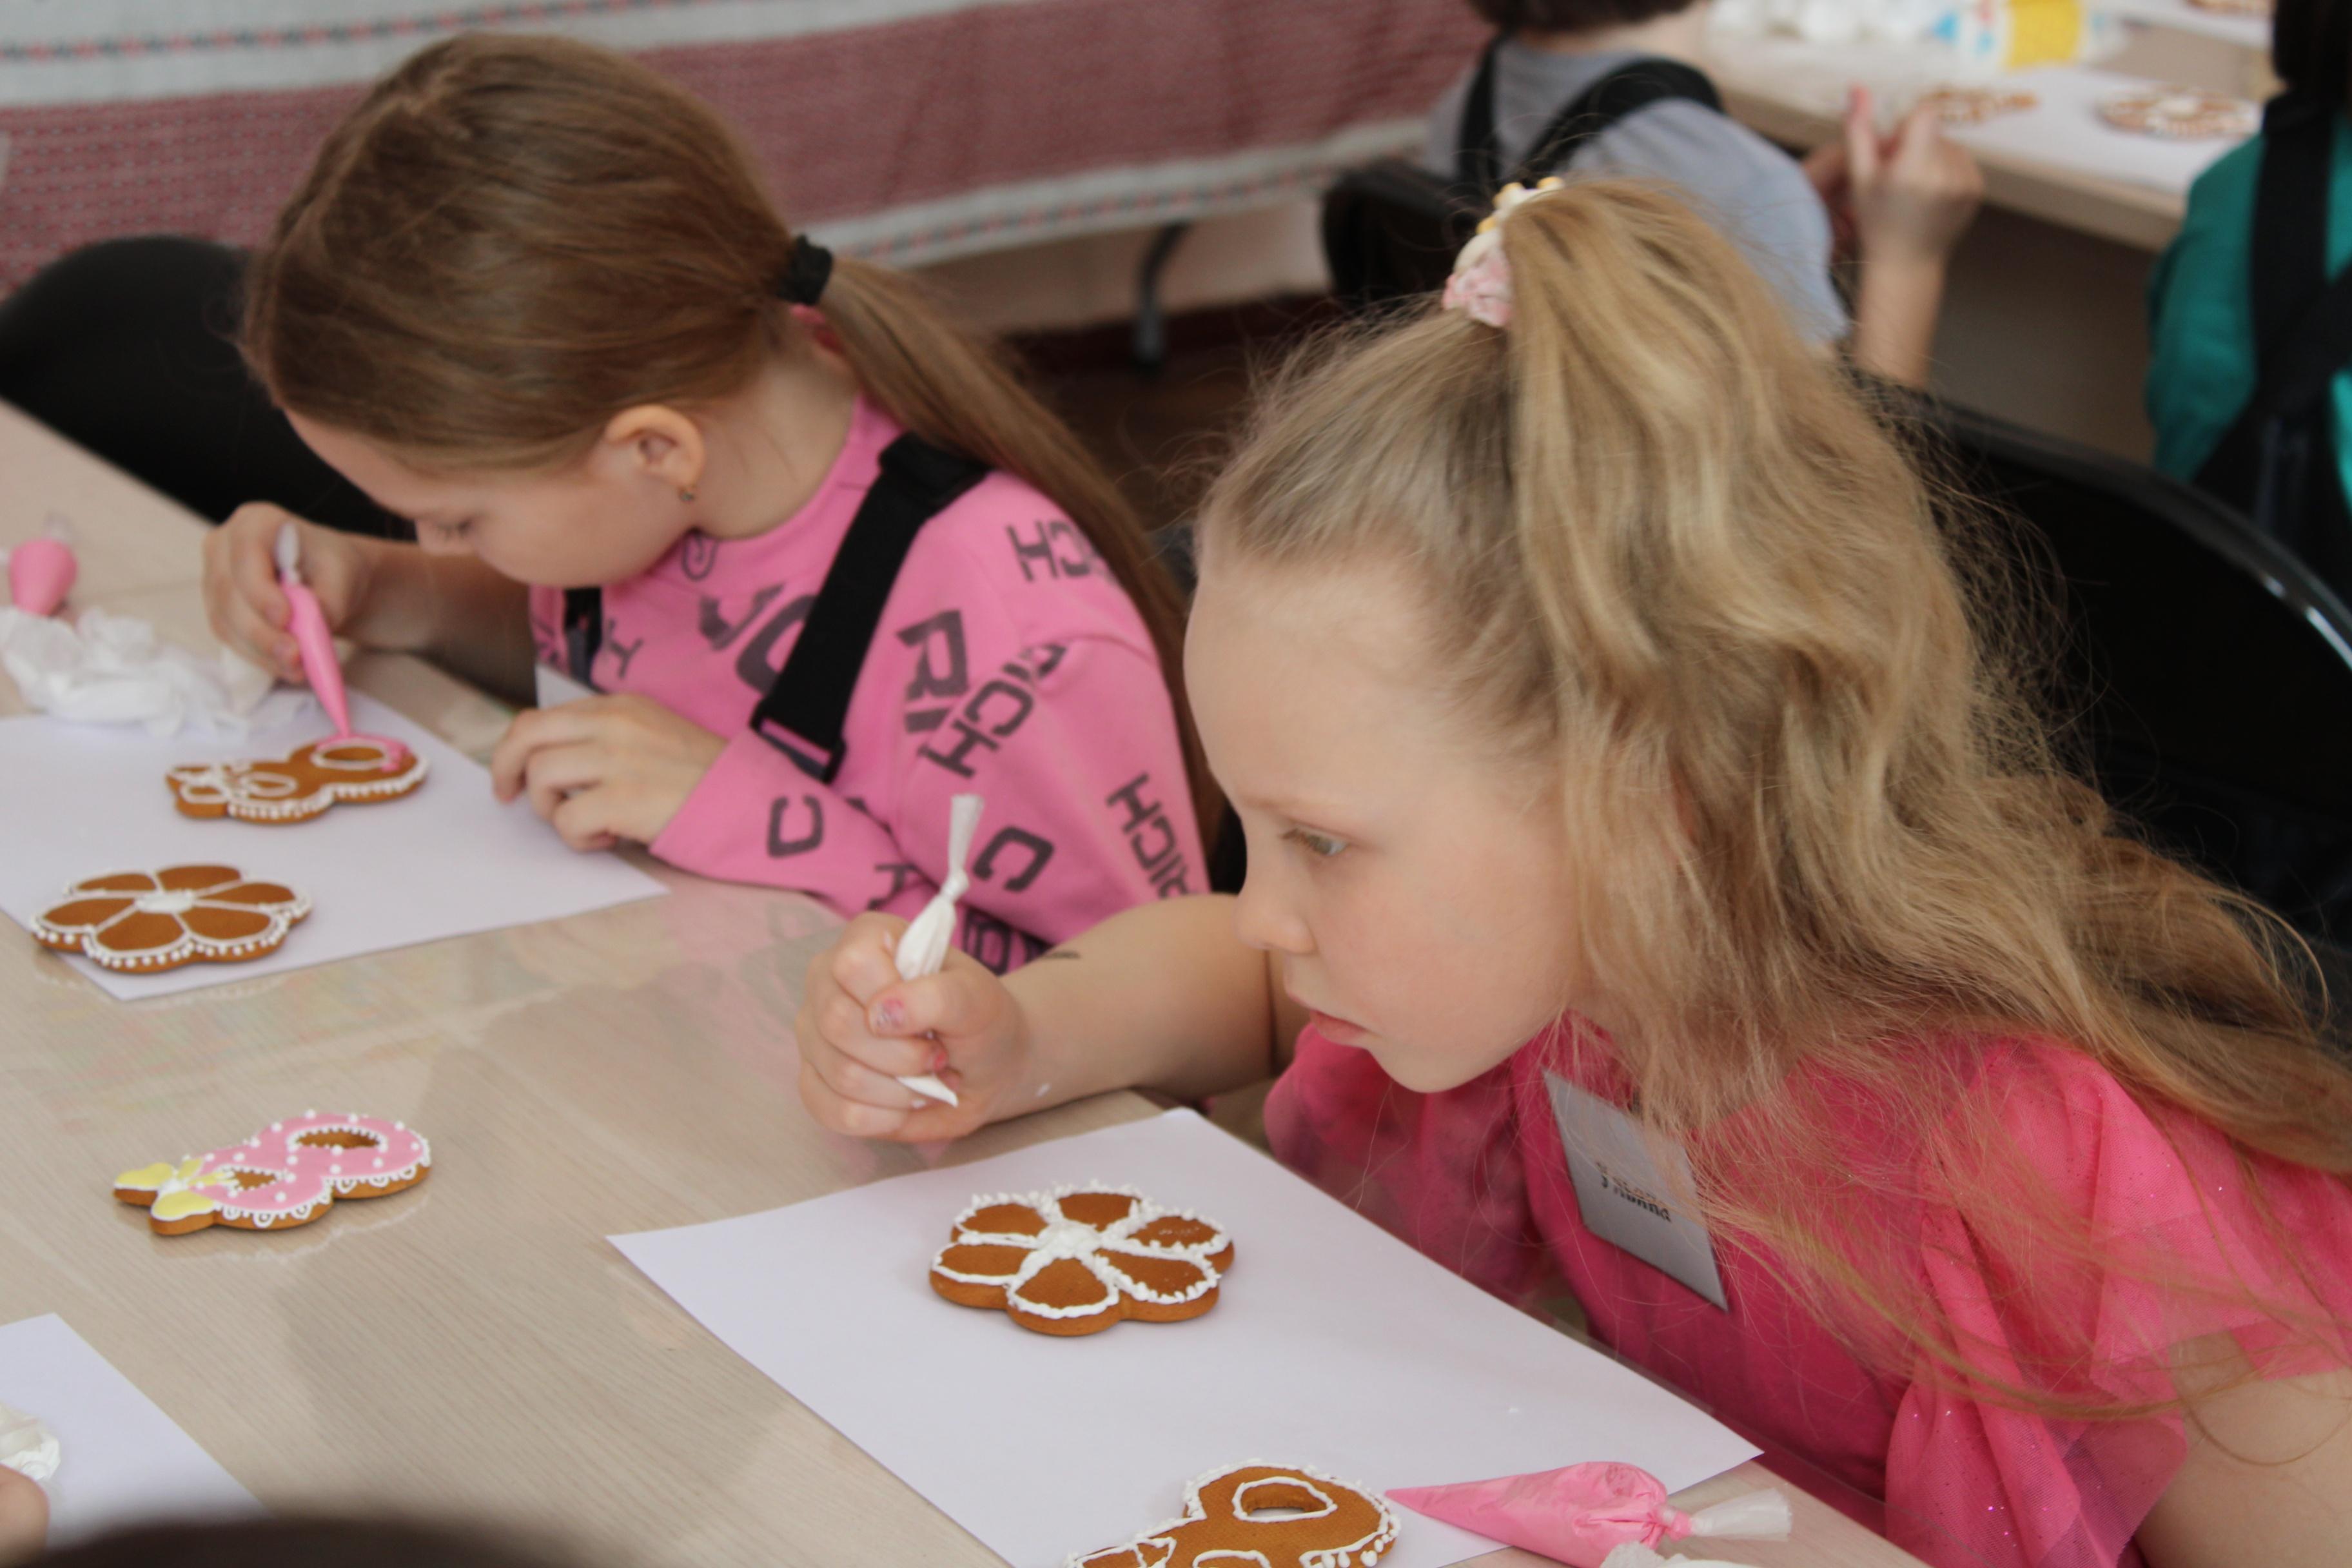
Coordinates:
[377,592]
[2268,1478]
[1912,196]
[452,609]
[1163,997]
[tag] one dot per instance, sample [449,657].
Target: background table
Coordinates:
[475,1347]
[906,129]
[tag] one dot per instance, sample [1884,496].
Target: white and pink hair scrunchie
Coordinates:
[1480,286]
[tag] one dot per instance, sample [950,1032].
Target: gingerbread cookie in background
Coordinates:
[288,1177]
[142,922]
[1077,1260]
[1958,107]
[1276,1516]
[2178,113]
[355,770]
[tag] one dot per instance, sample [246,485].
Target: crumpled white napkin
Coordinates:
[113,669]
[26,1445]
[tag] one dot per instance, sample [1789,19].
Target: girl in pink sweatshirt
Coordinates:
[823,562]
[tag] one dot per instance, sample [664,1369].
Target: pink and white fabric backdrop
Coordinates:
[904,130]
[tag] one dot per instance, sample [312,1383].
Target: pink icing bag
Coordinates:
[1580,1514]
[41,572]
[307,622]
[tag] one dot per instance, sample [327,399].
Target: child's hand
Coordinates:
[24,1518]
[248,611]
[603,768]
[1913,193]
[861,1028]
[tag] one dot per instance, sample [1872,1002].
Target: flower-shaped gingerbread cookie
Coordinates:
[354,768]
[142,922]
[276,1180]
[1077,1260]
[1273,1516]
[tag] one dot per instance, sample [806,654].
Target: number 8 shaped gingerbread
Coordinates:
[1269,1516]
[276,1180]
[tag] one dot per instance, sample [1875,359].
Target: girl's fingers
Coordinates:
[853,1080]
[956,1002]
[866,958]
[510,759]
[551,774]
[840,1115]
[581,821]
[834,1025]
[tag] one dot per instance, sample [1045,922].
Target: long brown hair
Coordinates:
[511,239]
[1672,557]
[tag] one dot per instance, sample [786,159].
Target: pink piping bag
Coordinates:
[1582,1515]
[307,622]
[42,570]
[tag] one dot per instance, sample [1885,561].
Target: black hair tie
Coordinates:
[806,273]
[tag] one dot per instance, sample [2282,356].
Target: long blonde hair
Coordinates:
[511,239]
[1664,543]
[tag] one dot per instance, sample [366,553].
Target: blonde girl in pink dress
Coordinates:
[1637,772]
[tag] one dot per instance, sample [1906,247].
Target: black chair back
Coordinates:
[2212,669]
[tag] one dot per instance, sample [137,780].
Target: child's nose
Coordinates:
[1264,920]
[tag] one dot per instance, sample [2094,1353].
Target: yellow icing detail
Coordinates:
[183,1204]
[146,1178]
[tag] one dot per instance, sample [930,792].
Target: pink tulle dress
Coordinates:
[1476,1178]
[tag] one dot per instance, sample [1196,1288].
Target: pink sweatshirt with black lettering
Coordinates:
[1009,662]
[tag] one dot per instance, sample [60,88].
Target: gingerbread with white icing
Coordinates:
[288,1177]
[1974,105]
[349,770]
[1270,1516]
[142,922]
[2178,113]
[1077,1260]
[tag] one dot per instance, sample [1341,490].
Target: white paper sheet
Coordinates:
[79,801]
[1332,1344]
[2063,130]
[121,1457]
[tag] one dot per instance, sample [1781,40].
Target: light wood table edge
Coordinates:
[2130,215]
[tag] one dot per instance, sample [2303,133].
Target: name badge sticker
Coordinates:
[1623,1196]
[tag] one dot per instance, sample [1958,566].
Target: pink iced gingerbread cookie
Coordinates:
[354,769]
[287,1176]
[1077,1260]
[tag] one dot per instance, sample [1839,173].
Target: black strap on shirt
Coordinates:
[2278,460]
[1632,87]
[805,709]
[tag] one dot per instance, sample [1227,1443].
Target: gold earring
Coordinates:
[686,492]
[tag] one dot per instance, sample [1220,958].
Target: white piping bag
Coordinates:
[923,947]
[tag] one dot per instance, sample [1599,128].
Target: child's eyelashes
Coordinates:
[448,530]
[1322,845]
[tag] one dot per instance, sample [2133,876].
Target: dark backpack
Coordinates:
[1391,229]
[2278,463]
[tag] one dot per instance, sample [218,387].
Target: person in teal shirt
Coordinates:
[2204,332]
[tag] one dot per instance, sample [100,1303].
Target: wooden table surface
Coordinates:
[475,1347]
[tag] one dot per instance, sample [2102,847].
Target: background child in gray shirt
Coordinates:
[1904,198]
